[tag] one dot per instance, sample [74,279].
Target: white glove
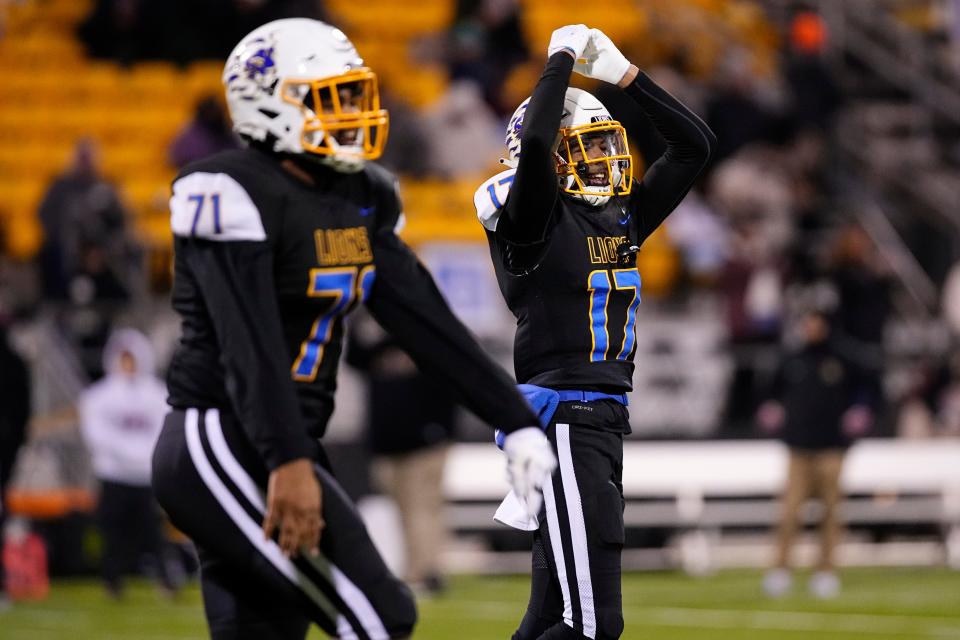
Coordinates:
[530,464]
[573,38]
[603,61]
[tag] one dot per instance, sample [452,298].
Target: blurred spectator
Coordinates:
[484,43]
[931,406]
[81,213]
[734,109]
[951,300]
[465,136]
[94,280]
[121,30]
[87,258]
[702,236]
[96,297]
[410,425]
[754,298]
[14,415]
[753,191]
[208,133]
[408,145]
[755,198]
[132,30]
[120,419]
[806,165]
[814,93]
[819,404]
[953,32]
[864,285]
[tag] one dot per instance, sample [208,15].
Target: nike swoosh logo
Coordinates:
[365,211]
[625,220]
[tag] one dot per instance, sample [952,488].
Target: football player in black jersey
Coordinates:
[274,245]
[564,225]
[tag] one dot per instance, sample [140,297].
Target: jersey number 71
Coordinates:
[347,286]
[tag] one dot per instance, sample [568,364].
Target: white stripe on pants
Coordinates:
[352,596]
[578,536]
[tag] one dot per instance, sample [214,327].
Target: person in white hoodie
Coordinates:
[120,417]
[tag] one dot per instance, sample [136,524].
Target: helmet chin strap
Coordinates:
[341,164]
[594,201]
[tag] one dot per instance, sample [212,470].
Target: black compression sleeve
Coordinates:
[236,279]
[690,143]
[408,304]
[535,188]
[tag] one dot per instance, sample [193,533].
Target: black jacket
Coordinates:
[816,386]
[14,406]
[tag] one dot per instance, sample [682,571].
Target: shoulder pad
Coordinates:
[379,175]
[386,190]
[214,206]
[491,196]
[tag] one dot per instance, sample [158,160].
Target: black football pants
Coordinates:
[575,590]
[211,483]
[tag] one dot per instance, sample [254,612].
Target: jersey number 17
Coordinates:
[600,285]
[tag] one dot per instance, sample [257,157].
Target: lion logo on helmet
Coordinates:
[254,70]
[515,130]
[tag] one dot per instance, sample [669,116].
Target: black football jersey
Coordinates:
[267,266]
[567,270]
[574,298]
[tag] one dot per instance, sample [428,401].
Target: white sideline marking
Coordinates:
[882,625]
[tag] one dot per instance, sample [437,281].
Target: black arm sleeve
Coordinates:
[409,306]
[236,280]
[690,143]
[535,187]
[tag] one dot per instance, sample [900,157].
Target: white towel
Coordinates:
[512,513]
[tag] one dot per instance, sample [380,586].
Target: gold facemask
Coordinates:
[574,160]
[337,108]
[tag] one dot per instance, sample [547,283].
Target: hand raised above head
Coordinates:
[571,38]
[602,60]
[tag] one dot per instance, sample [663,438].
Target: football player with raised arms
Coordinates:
[274,245]
[564,225]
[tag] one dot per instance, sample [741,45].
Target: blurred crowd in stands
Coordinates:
[130,31]
[764,237]
[764,227]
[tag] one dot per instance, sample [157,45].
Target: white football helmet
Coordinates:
[301,84]
[593,159]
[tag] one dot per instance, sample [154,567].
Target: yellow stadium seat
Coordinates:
[146,194]
[35,163]
[64,13]
[55,95]
[42,51]
[22,198]
[203,78]
[24,236]
[154,229]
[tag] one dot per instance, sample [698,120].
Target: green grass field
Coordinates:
[875,603]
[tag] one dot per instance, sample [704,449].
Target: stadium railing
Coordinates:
[722,487]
